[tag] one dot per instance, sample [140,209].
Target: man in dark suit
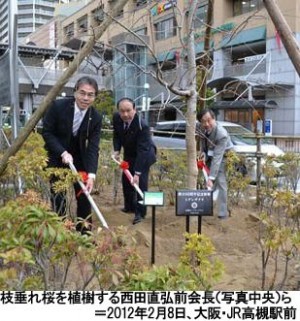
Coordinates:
[215,143]
[133,134]
[71,131]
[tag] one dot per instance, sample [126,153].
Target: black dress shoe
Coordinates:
[137,220]
[125,210]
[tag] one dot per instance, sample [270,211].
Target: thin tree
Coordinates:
[189,93]
[287,37]
[205,60]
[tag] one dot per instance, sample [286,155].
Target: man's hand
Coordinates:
[209,184]
[117,155]
[67,158]
[89,184]
[136,179]
[202,157]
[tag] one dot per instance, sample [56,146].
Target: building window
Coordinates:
[245,53]
[200,15]
[69,30]
[141,32]
[244,6]
[140,3]
[82,24]
[98,15]
[165,29]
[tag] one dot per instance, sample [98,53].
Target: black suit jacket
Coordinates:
[57,133]
[139,149]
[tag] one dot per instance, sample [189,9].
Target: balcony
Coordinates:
[245,68]
[25,30]
[178,76]
[39,3]
[42,79]
[28,21]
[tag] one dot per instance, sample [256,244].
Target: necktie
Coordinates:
[206,142]
[77,121]
[126,125]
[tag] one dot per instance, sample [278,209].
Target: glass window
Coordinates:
[141,32]
[98,15]
[141,2]
[165,29]
[83,23]
[200,15]
[69,30]
[244,6]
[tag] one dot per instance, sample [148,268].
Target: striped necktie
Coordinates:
[77,121]
[126,125]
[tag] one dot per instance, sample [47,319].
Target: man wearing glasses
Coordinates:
[71,131]
[215,143]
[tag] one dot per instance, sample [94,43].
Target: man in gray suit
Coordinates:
[215,142]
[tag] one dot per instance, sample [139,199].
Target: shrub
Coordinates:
[196,270]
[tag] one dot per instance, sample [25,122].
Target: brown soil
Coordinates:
[235,239]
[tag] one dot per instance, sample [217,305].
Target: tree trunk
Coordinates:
[206,55]
[285,33]
[205,63]
[192,170]
[55,90]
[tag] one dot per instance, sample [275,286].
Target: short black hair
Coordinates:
[86,80]
[126,99]
[204,111]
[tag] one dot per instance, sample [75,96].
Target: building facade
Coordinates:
[250,70]
[41,61]
[32,14]
[4,21]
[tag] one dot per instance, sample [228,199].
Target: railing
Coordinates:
[38,20]
[288,143]
[35,74]
[178,75]
[244,69]
[37,2]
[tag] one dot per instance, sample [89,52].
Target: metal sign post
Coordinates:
[153,199]
[13,59]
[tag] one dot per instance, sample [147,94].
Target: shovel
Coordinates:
[129,177]
[89,197]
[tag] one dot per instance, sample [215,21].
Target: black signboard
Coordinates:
[194,202]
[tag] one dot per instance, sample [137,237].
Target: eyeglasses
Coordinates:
[82,94]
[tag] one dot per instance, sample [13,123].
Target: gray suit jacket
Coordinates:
[215,145]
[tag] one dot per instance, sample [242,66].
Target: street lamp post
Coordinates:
[13,59]
[146,102]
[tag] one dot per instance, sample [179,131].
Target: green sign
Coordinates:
[154,198]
